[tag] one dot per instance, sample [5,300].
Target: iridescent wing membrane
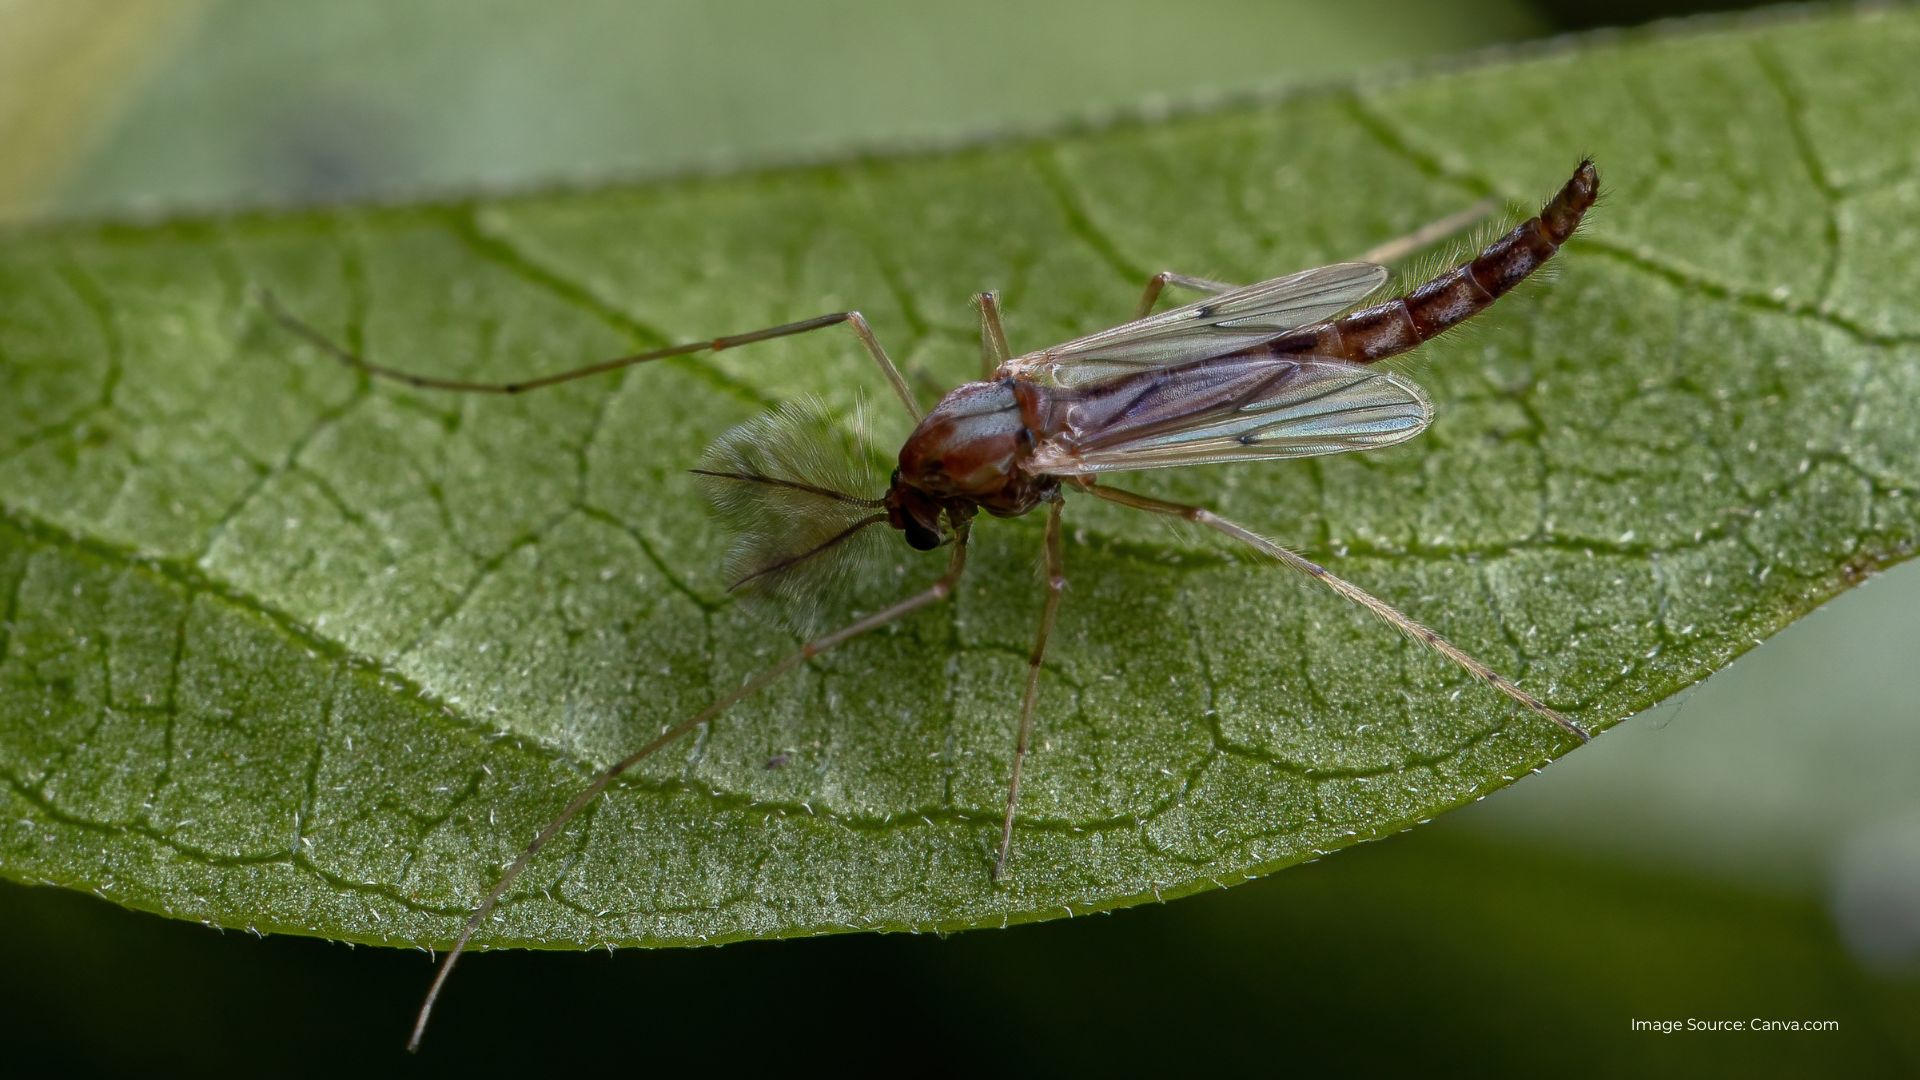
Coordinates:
[1233,409]
[1224,323]
[1167,390]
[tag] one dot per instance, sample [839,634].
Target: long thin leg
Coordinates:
[1159,282]
[933,594]
[1392,251]
[1050,608]
[861,330]
[993,337]
[1401,246]
[1355,593]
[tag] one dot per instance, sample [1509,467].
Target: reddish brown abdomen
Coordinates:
[1377,332]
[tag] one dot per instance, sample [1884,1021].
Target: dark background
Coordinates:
[1750,850]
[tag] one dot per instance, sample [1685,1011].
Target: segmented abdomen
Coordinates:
[1375,333]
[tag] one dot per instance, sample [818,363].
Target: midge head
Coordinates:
[792,486]
[914,513]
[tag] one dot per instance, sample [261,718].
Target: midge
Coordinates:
[1257,372]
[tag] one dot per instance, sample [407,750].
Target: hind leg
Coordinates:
[1387,613]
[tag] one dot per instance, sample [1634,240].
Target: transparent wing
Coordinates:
[1235,410]
[1218,325]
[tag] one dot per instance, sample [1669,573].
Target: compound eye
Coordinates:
[921,538]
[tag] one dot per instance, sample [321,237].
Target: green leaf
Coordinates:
[288,650]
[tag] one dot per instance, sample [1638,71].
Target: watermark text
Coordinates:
[1756,1023]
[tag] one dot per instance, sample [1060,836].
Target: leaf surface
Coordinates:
[288,650]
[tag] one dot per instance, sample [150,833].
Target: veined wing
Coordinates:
[1233,410]
[1218,325]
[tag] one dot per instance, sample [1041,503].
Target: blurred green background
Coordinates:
[1750,849]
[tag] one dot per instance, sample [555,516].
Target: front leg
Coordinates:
[354,361]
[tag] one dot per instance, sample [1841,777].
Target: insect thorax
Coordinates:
[972,448]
